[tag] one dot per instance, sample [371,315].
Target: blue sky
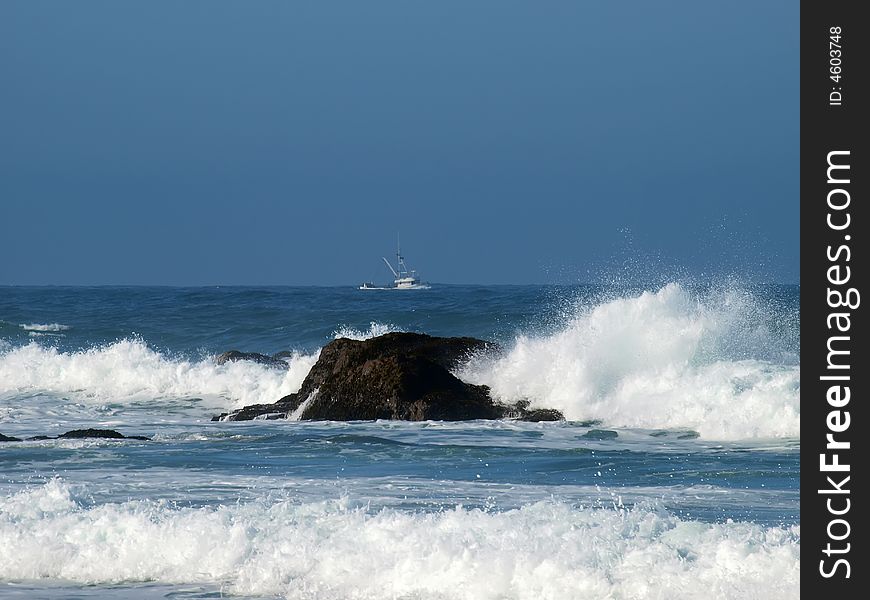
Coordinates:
[189,143]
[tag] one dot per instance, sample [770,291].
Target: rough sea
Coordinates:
[675,476]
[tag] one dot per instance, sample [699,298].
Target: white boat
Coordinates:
[405,279]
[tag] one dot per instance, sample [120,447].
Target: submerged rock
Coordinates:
[403,376]
[79,434]
[600,434]
[263,359]
[680,434]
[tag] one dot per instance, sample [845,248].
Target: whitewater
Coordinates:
[675,474]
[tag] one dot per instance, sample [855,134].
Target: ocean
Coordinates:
[675,475]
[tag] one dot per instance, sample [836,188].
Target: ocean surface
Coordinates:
[676,474]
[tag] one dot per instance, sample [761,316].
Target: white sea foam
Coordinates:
[658,360]
[296,415]
[44,327]
[330,550]
[128,371]
[375,329]
[36,334]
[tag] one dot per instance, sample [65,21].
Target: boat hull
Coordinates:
[417,286]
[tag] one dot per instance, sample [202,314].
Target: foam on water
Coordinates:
[128,371]
[44,327]
[36,334]
[335,549]
[660,359]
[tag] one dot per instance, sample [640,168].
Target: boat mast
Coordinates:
[399,262]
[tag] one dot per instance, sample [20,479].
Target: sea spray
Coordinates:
[664,359]
[375,329]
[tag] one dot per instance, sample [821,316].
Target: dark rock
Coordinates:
[92,433]
[263,359]
[99,433]
[277,410]
[600,434]
[542,414]
[403,376]
[284,355]
[521,412]
[109,434]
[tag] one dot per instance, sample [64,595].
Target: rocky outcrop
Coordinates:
[404,376]
[109,434]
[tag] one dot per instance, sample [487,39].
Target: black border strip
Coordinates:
[833,262]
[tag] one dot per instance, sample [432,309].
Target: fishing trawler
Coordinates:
[405,279]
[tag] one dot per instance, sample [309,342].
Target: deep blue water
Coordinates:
[272,319]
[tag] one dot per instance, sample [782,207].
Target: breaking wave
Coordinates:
[334,549]
[663,359]
[128,371]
